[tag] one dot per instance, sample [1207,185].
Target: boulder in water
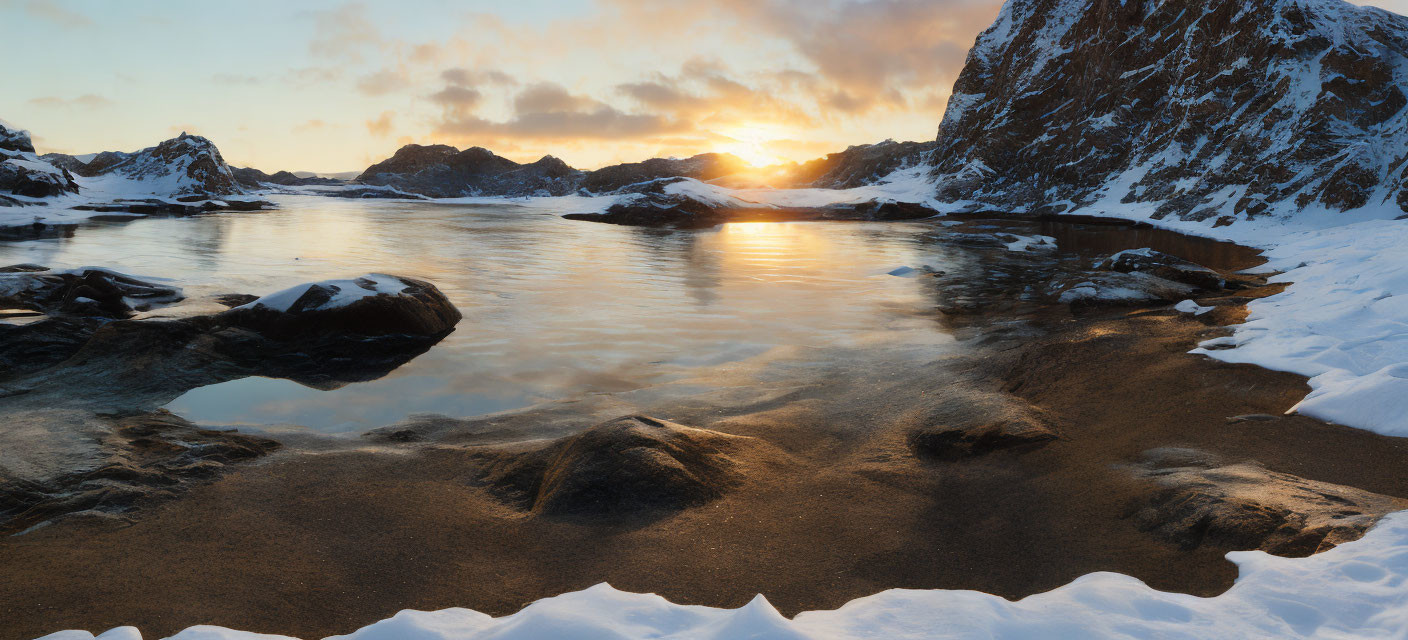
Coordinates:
[372,305]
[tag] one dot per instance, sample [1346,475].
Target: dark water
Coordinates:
[558,309]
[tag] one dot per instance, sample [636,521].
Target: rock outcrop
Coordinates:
[860,165]
[22,173]
[1198,499]
[1227,109]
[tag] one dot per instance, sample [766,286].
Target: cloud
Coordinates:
[382,125]
[344,33]
[235,79]
[461,77]
[85,101]
[383,82]
[48,10]
[457,99]
[310,125]
[547,111]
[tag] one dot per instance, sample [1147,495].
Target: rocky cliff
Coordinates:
[1225,109]
[22,173]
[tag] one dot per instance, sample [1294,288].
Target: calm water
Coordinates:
[553,308]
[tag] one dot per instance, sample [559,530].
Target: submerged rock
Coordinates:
[60,464]
[629,465]
[977,425]
[85,292]
[1197,499]
[1115,288]
[1164,266]
[658,210]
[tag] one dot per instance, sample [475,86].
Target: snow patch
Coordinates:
[345,292]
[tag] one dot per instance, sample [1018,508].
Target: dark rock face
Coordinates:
[23,173]
[861,164]
[634,464]
[383,305]
[1228,108]
[1196,499]
[442,171]
[15,140]
[704,167]
[34,178]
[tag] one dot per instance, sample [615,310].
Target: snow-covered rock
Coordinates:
[1226,109]
[184,165]
[372,305]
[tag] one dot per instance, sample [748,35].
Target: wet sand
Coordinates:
[312,544]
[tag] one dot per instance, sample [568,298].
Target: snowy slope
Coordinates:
[1226,109]
[1355,590]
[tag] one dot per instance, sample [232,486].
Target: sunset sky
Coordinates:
[334,86]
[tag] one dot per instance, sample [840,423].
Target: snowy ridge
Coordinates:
[1355,590]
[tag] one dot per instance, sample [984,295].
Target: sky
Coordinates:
[336,85]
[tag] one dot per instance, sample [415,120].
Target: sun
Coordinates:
[749,143]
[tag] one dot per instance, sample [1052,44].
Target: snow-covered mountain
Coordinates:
[184,165]
[1222,109]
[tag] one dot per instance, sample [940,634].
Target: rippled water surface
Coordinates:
[552,307]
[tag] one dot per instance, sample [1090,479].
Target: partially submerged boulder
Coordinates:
[1116,288]
[1197,499]
[976,425]
[629,465]
[372,305]
[1163,266]
[677,211]
[84,292]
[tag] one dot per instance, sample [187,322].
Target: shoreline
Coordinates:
[1012,522]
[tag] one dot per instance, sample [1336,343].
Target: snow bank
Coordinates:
[1343,322]
[1355,590]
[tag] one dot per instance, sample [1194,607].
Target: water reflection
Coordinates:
[556,309]
[553,308]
